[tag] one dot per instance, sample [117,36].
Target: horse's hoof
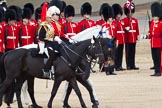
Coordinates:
[66,106]
[94,106]
[32,106]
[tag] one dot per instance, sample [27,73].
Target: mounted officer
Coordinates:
[47,37]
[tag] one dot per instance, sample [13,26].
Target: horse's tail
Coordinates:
[2,68]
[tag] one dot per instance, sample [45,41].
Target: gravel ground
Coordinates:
[128,89]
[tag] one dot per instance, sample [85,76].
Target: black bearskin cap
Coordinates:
[107,12]
[38,12]
[30,6]
[102,6]
[63,6]
[69,11]
[10,15]
[57,3]
[156,9]
[127,10]
[18,11]
[86,8]
[117,9]
[26,13]
[43,4]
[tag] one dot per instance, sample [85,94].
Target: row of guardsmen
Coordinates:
[18,29]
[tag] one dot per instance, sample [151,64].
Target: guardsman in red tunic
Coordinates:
[131,36]
[155,36]
[101,21]
[11,31]
[86,22]
[26,29]
[38,19]
[110,32]
[62,18]
[120,36]
[32,21]
[69,28]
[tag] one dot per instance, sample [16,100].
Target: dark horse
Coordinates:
[20,65]
[83,78]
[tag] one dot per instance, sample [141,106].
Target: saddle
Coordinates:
[34,53]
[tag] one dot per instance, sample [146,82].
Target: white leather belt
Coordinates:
[120,32]
[132,31]
[71,34]
[11,37]
[25,37]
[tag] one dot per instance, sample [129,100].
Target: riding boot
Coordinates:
[47,68]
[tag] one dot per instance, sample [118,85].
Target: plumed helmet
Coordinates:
[63,6]
[26,13]
[2,17]
[30,6]
[44,12]
[117,9]
[38,12]
[156,9]
[102,6]
[69,11]
[107,12]
[53,10]
[129,7]
[86,8]
[18,11]
[10,15]
[56,3]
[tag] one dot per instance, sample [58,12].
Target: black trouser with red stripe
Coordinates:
[119,56]
[130,49]
[156,59]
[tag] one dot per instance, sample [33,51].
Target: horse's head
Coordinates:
[95,49]
[108,47]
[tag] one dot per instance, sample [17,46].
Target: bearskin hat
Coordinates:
[10,15]
[69,11]
[63,6]
[38,12]
[57,3]
[127,10]
[156,9]
[102,6]
[18,11]
[86,8]
[107,12]
[2,14]
[26,13]
[30,6]
[117,9]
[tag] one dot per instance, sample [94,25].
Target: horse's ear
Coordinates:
[93,40]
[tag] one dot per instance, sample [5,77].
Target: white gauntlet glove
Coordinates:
[58,39]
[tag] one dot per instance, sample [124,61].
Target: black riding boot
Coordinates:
[47,68]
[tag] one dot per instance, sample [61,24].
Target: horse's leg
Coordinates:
[19,84]
[4,87]
[67,93]
[54,91]
[74,85]
[30,82]
[25,93]
[88,85]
